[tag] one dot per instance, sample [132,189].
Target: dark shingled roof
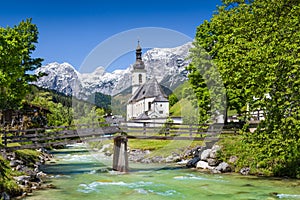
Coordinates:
[149,89]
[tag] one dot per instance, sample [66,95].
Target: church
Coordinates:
[148,101]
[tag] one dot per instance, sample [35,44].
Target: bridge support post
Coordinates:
[120,157]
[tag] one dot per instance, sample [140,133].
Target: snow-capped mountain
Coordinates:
[166,64]
[60,77]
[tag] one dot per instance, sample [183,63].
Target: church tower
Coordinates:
[139,71]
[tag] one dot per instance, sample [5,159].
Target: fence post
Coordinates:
[5,138]
[167,129]
[144,128]
[36,137]
[190,130]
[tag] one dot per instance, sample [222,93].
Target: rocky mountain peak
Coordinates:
[166,64]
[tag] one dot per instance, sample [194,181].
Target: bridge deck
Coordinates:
[54,136]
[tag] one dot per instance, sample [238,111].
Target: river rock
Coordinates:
[10,156]
[233,159]
[14,163]
[158,159]
[20,167]
[214,151]
[137,155]
[172,158]
[146,160]
[223,167]
[202,165]
[147,152]
[182,162]
[5,196]
[214,171]
[205,154]
[212,162]
[188,153]
[245,171]
[22,180]
[193,162]
[196,150]
[169,159]
[41,175]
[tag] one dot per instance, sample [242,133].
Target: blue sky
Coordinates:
[70,30]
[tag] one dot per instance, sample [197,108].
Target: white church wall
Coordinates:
[154,109]
[129,112]
[160,109]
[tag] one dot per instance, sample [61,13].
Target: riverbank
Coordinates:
[30,177]
[80,173]
[194,157]
[21,173]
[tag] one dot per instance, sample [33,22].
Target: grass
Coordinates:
[28,156]
[183,108]
[7,183]
[175,110]
[233,145]
[147,144]
[13,144]
[163,148]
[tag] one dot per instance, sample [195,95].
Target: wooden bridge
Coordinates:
[55,136]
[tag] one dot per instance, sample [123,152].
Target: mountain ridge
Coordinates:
[167,65]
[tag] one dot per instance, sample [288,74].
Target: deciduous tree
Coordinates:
[16,63]
[255,46]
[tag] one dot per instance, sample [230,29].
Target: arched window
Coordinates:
[140,78]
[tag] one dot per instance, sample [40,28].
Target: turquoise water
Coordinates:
[79,175]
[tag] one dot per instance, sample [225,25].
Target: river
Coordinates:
[79,175]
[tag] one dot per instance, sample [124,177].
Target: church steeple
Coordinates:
[139,71]
[138,52]
[139,64]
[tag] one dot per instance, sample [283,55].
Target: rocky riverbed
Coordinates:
[196,158]
[31,177]
[204,160]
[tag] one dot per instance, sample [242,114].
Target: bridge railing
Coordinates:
[153,130]
[61,135]
[48,136]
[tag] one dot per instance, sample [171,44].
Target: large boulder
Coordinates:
[245,171]
[214,151]
[205,154]
[213,162]
[202,165]
[224,167]
[193,162]
[182,162]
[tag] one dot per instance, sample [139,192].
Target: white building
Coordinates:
[148,101]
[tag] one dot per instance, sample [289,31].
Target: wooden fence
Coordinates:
[54,136]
